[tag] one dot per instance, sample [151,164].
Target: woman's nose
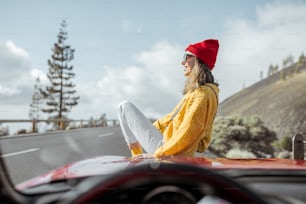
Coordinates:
[183,62]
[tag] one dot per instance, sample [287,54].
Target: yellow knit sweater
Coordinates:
[191,127]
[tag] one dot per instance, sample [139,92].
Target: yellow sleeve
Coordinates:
[163,122]
[189,130]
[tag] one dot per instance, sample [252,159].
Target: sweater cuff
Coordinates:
[158,152]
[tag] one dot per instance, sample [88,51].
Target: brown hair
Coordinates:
[199,76]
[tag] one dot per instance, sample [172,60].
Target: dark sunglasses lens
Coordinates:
[187,56]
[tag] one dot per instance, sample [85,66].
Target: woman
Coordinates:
[187,129]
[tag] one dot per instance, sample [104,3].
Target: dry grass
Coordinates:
[281,104]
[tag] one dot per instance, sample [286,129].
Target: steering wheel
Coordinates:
[160,182]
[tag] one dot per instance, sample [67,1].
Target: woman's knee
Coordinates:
[124,105]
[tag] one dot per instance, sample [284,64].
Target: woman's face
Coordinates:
[188,63]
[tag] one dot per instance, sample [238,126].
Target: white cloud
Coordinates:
[6,91]
[276,15]
[19,52]
[153,83]
[248,47]
[37,73]
[14,68]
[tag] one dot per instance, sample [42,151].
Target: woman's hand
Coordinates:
[143,156]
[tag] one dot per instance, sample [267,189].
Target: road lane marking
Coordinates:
[106,134]
[20,152]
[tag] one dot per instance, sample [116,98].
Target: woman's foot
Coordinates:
[135,148]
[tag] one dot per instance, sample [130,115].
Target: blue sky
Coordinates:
[132,49]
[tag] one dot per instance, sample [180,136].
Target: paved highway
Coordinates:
[31,155]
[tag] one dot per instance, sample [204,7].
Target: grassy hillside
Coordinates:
[279,102]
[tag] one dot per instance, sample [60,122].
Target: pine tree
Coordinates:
[261,75]
[60,95]
[302,59]
[288,61]
[270,70]
[36,101]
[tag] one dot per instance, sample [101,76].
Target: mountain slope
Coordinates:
[281,104]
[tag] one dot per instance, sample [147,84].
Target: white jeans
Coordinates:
[137,128]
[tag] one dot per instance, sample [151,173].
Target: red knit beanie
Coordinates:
[206,51]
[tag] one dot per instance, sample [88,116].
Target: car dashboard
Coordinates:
[177,183]
[281,186]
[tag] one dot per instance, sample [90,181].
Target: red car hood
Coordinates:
[105,165]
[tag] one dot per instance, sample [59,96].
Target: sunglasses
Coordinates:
[187,56]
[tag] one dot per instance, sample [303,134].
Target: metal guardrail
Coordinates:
[298,148]
[61,122]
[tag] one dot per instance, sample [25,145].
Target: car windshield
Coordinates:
[67,65]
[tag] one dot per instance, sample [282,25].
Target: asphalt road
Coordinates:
[33,155]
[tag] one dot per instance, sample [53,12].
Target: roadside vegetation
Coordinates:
[244,134]
[4,131]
